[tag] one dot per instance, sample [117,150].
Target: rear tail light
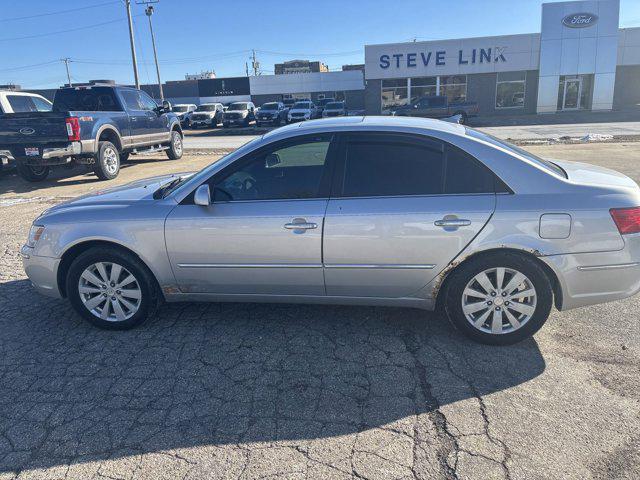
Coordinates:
[627,219]
[73,129]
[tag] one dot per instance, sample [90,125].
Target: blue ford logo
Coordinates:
[579,20]
[27,131]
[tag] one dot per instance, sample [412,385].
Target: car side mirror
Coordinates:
[166,105]
[272,160]
[202,196]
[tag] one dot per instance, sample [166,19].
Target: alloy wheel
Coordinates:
[177,144]
[111,160]
[109,291]
[499,300]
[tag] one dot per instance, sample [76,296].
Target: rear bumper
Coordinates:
[592,278]
[42,272]
[74,148]
[69,150]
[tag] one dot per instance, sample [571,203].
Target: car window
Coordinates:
[375,167]
[21,103]
[286,172]
[42,105]
[95,99]
[131,99]
[465,174]
[147,102]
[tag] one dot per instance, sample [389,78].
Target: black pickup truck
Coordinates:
[97,125]
[438,106]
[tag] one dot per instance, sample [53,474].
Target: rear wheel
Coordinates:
[107,164]
[499,299]
[175,147]
[112,289]
[33,173]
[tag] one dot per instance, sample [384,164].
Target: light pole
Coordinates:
[149,12]
[133,46]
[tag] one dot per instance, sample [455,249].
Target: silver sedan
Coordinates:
[366,211]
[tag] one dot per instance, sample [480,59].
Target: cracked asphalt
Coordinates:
[244,391]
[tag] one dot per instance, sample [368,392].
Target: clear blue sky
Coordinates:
[193,35]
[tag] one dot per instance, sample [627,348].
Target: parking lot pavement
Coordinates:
[215,139]
[292,391]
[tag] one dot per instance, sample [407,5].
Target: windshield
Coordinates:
[303,105]
[325,101]
[546,164]
[269,106]
[334,106]
[238,106]
[206,108]
[180,108]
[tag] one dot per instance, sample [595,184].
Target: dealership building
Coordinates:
[580,60]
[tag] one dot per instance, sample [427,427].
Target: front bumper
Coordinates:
[42,272]
[593,278]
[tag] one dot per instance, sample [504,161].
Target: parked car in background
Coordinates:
[239,114]
[320,104]
[96,125]
[272,113]
[437,106]
[289,102]
[302,110]
[207,115]
[334,109]
[183,111]
[420,213]
[12,101]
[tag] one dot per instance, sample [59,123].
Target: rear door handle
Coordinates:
[300,226]
[452,222]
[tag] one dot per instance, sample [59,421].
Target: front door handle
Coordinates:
[452,222]
[300,225]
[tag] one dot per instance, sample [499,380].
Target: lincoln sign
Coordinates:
[579,20]
[438,58]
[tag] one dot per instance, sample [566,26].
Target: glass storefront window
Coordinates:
[454,87]
[423,87]
[394,94]
[510,89]
[575,92]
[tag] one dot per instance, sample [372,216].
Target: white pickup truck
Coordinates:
[12,101]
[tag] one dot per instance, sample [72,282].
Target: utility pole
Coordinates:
[149,12]
[255,64]
[133,46]
[66,64]
[246,68]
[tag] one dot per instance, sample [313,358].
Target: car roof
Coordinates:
[367,123]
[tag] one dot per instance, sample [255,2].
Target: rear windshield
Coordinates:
[95,99]
[546,164]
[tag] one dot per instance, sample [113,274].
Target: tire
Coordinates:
[463,117]
[107,164]
[144,286]
[32,173]
[175,147]
[505,331]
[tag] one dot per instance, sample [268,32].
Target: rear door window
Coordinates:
[375,165]
[131,99]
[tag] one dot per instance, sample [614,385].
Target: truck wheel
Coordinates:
[107,164]
[175,147]
[32,173]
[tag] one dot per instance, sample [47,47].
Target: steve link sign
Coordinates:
[439,58]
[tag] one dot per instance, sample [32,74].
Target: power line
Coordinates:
[58,12]
[62,31]
[27,67]
[332,54]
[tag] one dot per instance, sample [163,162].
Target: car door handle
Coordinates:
[300,226]
[452,222]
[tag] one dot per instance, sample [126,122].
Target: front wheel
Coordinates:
[175,147]
[112,289]
[499,299]
[107,164]
[33,173]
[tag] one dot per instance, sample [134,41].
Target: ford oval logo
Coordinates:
[579,20]
[27,131]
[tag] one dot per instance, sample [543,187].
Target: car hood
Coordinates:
[586,173]
[123,195]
